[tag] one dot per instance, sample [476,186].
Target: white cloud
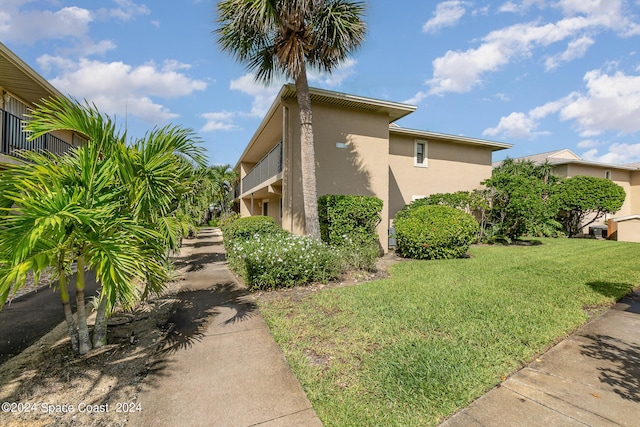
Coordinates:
[115,86]
[417,98]
[589,143]
[576,49]
[514,126]
[447,14]
[219,121]
[611,103]
[336,77]
[461,71]
[518,125]
[30,26]
[617,154]
[263,95]
[521,7]
[127,10]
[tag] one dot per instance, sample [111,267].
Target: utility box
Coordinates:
[598,231]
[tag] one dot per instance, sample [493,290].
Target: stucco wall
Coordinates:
[634,192]
[628,231]
[450,167]
[352,155]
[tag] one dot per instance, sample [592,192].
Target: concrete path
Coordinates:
[220,365]
[591,378]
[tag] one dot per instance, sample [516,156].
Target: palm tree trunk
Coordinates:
[68,314]
[83,329]
[308,158]
[100,329]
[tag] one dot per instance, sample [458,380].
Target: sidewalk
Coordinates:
[220,365]
[592,378]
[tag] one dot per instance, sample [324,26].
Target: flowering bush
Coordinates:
[271,261]
[434,232]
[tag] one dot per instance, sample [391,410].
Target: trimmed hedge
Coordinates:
[248,227]
[434,232]
[347,220]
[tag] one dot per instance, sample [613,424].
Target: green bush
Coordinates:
[270,261]
[349,223]
[347,220]
[227,218]
[248,227]
[434,232]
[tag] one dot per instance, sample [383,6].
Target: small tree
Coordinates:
[520,202]
[582,197]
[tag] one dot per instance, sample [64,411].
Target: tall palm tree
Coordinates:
[285,37]
[222,178]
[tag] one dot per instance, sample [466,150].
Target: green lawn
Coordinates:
[414,348]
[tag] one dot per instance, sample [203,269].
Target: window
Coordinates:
[420,158]
[607,174]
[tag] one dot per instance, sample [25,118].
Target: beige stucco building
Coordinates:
[359,151]
[20,89]
[624,224]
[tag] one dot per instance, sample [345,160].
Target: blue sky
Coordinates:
[539,74]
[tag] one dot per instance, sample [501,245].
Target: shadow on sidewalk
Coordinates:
[196,310]
[197,262]
[623,371]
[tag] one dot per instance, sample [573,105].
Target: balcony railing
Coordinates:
[268,167]
[13,138]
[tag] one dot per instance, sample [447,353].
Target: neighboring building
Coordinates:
[20,89]
[359,151]
[567,164]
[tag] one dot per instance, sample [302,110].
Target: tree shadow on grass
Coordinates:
[197,309]
[615,290]
[623,370]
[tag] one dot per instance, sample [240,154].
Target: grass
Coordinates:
[412,349]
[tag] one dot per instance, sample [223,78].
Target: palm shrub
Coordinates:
[434,232]
[110,206]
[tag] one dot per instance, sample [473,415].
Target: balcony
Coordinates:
[265,169]
[13,139]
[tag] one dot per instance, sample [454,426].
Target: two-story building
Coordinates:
[359,150]
[21,88]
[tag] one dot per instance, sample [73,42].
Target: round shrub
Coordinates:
[434,232]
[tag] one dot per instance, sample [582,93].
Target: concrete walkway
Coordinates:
[591,378]
[220,365]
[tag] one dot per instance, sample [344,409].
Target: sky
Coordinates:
[542,75]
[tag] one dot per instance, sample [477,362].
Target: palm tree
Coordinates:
[107,205]
[222,178]
[286,37]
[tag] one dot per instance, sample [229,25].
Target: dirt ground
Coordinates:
[47,385]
